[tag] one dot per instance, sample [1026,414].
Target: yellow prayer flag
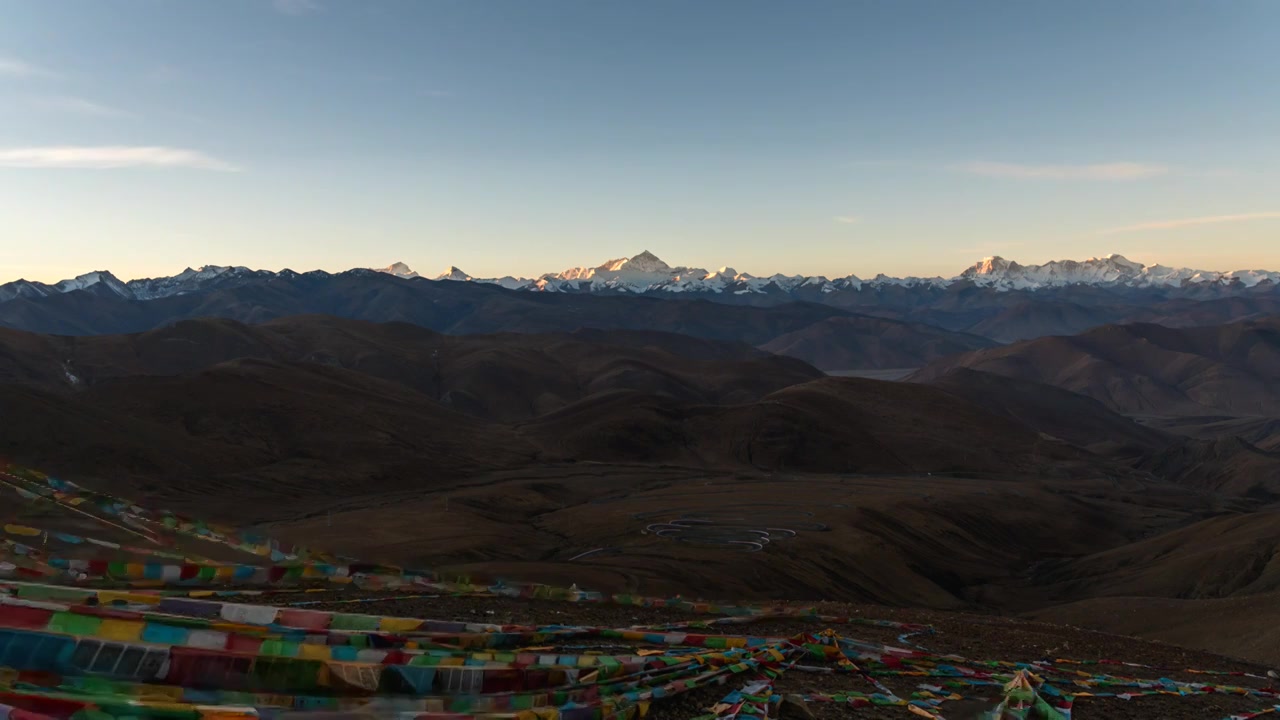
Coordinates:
[394,624]
[22,530]
[310,651]
[122,630]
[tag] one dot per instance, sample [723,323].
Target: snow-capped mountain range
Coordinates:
[1111,270]
[103,282]
[646,273]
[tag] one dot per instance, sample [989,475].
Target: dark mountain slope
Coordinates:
[449,307]
[829,425]
[1228,555]
[1039,317]
[508,377]
[1226,464]
[1148,369]
[320,407]
[253,430]
[863,343]
[1191,313]
[1077,419]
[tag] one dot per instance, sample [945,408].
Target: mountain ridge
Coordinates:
[646,273]
[1146,369]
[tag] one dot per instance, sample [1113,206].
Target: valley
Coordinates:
[583,360]
[793,452]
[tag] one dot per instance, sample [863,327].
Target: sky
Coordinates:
[523,137]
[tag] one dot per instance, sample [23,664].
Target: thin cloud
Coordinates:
[848,219]
[110,157]
[1189,222]
[79,106]
[13,67]
[1101,171]
[295,7]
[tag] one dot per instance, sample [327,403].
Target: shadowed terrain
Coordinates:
[1148,369]
[842,343]
[661,463]
[1246,626]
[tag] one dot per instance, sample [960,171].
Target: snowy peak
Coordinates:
[607,266]
[645,262]
[96,281]
[207,272]
[994,265]
[399,269]
[454,273]
[640,273]
[1118,260]
[191,280]
[24,289]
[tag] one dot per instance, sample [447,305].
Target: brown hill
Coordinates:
[865,343]
[1016,316]
[573,443]
[1077,419]
[1219,311]
[335,458]
[1037,318]
[1148,369]
[1223,556]
[1226,464]
[251,431]
[833,424]
[507,377]
[1246,627]
[907,540]
[343,406]
[376,468]
[1271,443]
[1260,431]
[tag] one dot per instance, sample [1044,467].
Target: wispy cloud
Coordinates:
[847,219]
[13,67]
[79,106]
[1188,222]
[111,156]
[1101,171]
[295,7]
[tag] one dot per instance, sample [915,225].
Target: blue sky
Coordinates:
[518,137]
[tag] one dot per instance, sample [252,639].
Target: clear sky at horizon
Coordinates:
[814,137]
